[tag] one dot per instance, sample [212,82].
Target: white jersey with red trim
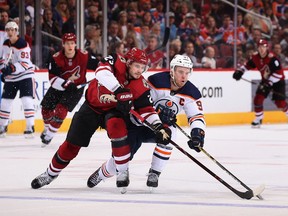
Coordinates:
[188,98]
[20,58]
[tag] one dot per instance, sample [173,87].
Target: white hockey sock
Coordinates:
[29,111]
[160,157]
[108,169]
[6,106]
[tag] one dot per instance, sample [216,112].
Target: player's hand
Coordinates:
[264,88]
[197,139]
[237,74]
[166,115]
[8,69]
[124,100]
[163,133]
[68,85]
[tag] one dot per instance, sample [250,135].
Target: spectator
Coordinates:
[70,25]
[93,40]
[158,12]
[208,60]
[144,36]
[283,20]
[156,57]
[131,40]
[147,19]
[210,33]
[51,27]
[272,17]
[63,10]
[277,50]
[123,24]
[256,36]
[93,16]
[121,6]
[172,26]
[118,48]
[113,29]
[189,51]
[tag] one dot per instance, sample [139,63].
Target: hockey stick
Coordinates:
[254,83]
[245,195]
[222,167]
[9,58]
[165,40]
[83,84]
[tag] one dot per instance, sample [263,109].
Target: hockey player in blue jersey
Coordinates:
[171,93]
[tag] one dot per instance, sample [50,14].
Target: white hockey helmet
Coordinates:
[181,60]
[12,24]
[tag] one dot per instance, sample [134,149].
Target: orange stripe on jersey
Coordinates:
[196,117]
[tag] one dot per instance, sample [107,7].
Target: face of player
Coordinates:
[262,50]
[12,34]
[136,69]
[69,48]
[180,76]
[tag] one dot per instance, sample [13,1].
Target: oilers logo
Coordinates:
[168,103]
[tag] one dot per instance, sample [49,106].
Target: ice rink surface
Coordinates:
[255,156]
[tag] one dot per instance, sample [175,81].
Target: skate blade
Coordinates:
[29,136]
[43,145]
[123,190]
[151,189]
[3,135]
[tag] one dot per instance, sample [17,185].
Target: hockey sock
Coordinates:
[160,157]
[29,111]
[117,132]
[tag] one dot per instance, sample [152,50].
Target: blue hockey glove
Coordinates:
[197,139]
[166,115]
[8,69]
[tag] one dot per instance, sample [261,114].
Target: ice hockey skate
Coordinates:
[256,123]
[94,179]
[3,130]
[42,180]
[46,139]
[152,180]
[29,132]
[123,181]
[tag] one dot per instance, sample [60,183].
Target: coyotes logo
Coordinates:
[75,73]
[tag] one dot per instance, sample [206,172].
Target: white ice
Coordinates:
[254,156]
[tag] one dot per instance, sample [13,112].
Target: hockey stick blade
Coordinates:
[256,192]
[165,40]
[244,195]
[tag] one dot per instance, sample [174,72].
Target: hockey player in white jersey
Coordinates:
[171,93]
[17,74]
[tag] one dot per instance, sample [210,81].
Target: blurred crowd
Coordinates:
[200,29]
